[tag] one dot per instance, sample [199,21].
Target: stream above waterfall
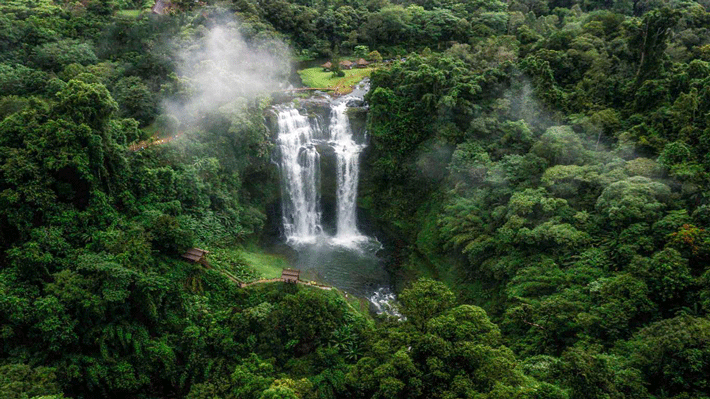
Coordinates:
[318,154]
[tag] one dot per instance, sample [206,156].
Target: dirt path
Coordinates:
[276,280]
[154,141]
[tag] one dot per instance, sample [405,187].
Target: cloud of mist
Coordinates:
[220,67]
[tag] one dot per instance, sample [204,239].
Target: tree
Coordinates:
[88,103]
[135,99]
[667,275]
[361,51]
[425,299]
[374,56]
[594,375]
[560,146]
[55,56]
[672,355]
[632,200]
[649,41]
[19,381]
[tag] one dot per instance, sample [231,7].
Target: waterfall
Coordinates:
[300,177]
[348,168]
[298,142]
[346,258]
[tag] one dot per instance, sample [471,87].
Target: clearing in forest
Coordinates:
[317,77]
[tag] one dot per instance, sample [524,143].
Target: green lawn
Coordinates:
[316,77]
[246,264]
[266,265]
[129,13]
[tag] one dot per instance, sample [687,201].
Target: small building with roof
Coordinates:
[345,64]
[327,66]
[290,275]
[161,7]
[362,63]
[196,255]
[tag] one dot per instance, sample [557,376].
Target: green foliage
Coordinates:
[591,374]
[424,300]
[86,103]
[361,51]
[560,146]
[55,56]
[135,99]
[547,159]
[632,200]
[572,175]
[457,353]
[18,381]
[374,56]
[672,355]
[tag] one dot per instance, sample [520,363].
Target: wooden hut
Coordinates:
[345,64]
[290,275]
[361,63]
[161,7]
[196,255]
[327,66]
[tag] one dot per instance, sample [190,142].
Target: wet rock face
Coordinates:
[271,121]
[315,106]
[328,186]
[356,103]
[358,123]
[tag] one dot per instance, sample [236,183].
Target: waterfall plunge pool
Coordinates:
[353,267]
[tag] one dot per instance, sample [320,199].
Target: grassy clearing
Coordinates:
[317,78]
[246,265]
[129,13]
[362,305]
[230,260]
[266,265]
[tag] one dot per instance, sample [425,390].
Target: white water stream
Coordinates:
[347,153]
[299,162]
[300,171]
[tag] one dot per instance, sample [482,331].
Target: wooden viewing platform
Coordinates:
[196,255]
[290,275]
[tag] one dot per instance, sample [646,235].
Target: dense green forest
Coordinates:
[537,168]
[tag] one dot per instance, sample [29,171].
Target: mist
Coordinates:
[220,66]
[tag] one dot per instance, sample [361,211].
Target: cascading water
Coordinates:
[347,259]
[347,153]
[300,170]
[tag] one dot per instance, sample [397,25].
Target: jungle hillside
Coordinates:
[537,171]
